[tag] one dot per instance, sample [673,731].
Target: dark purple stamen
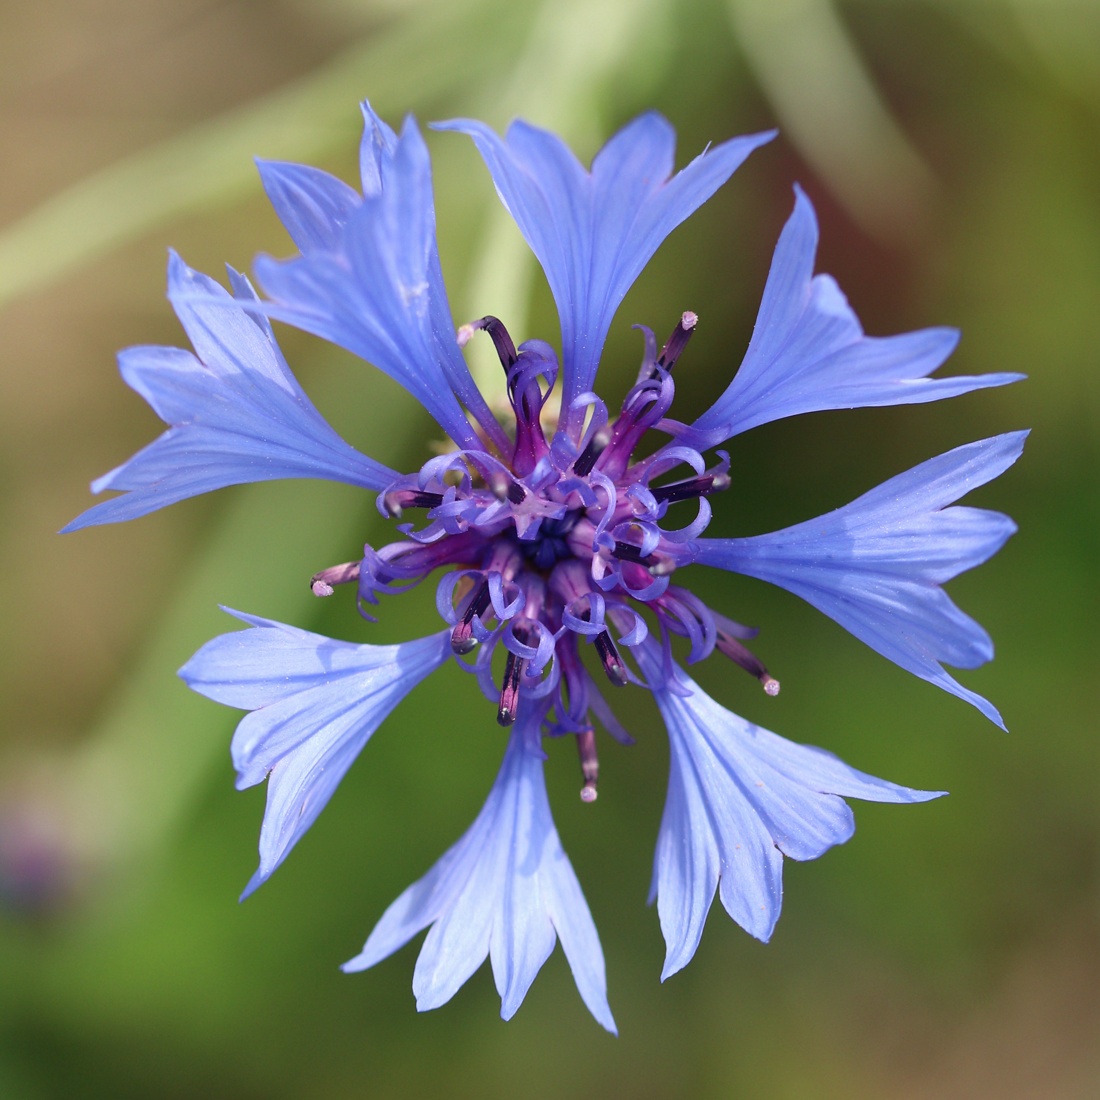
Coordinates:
[590,455]
[513,675]
[740,655]
[590,764]
[627,551]
[610,659]
[504,488]
[527,397]
[644,406]
[509,692]
[506,349]
[528,448]
[409,498]
[673,349]
[462,637]
[689,490]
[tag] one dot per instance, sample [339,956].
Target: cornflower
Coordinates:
[553,530]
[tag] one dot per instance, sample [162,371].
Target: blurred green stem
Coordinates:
[399,64]
[828,106]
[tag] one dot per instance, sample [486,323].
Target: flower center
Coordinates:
[559,544]
[551,544]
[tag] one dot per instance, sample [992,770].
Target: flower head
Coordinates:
[552,535]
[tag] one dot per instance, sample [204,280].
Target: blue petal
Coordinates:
[593,232]
[876,565]
[506,890]
[236,412]
[376,148]
[739,799]
[369,278]
[315,703]
[808,351]
[313,205]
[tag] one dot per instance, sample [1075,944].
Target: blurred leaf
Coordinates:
[829,107]
[402,66]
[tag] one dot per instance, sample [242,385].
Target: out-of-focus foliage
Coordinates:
[953,150]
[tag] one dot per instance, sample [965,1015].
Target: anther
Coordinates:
[321,583]
[740,655]
[506,349]
[462,637]
[627,551]
[509,692]
[689,490]
[673,349]
[655,564]
[590,455]
[399,499]
[504,488]
[609,657]
[590,764]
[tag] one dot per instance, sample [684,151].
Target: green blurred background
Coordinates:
[949,950]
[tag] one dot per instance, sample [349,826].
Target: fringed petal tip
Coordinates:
[808,351]
[368,277]
[505,890]
[877,565]
[235,413]
[594,231]
[314,702]
[741,800]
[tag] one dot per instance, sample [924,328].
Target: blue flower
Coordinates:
[808,352]
[546,543]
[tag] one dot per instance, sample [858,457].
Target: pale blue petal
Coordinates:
[808,351]
[523,935]
[505,890]
[593,232]
[457,943]
[298,789]
[685,867]
[739,799]
[876,565]
[315,703]
[229,337]
[741,856]
[573,922]
[423,903]
[237,414]
[369,278]
[376,148]
[250,669]
[313,205]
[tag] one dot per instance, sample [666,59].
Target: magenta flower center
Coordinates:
[559,544]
